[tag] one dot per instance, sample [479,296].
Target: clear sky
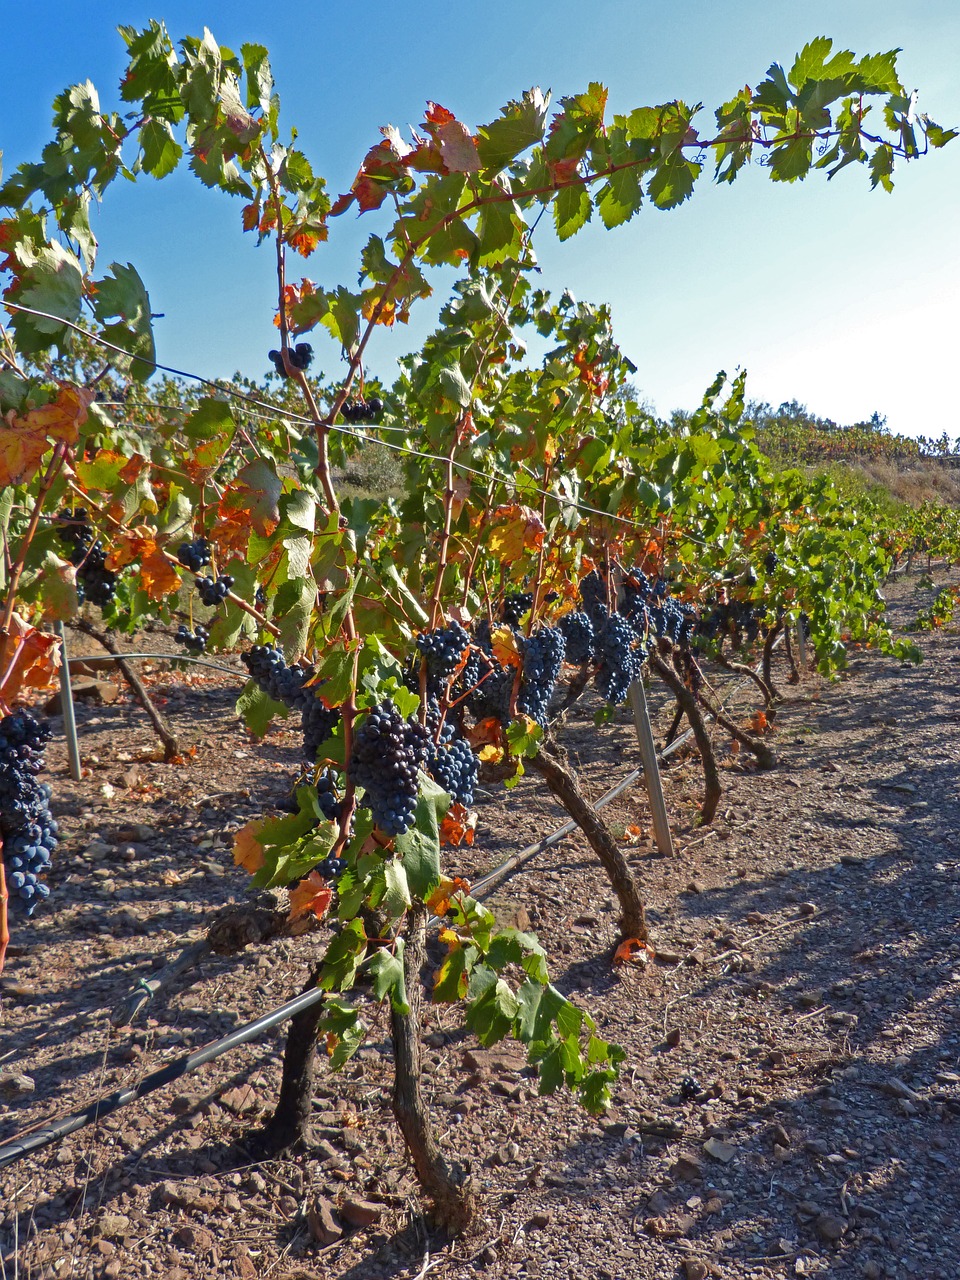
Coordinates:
[828,293]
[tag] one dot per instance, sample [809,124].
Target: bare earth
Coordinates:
[807,978]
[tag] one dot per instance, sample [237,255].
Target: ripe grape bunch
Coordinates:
[195,640]
[443,649]
[543,655]
[272,676]
[577,630]
[386,757]
[194,555]
[95,582]
[213,592]
[355,411]
[28,833]
[299,356]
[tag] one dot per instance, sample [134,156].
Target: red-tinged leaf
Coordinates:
[134,465]
[247,849]
[370,193]
[438,115]
[342,204]
[29,659]
[759,722]
[304,242]
[250,216]
[20,453]
[312,895]
[458,148]
[485,732]
[519,529]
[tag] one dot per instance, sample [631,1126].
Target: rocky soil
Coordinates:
[790,1100]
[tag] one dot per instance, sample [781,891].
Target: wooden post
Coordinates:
[651,770]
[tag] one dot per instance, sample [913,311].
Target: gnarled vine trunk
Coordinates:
[688,702]
[563,784]
[451,1192]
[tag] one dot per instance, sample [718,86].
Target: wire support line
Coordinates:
[163,657]
[508,481]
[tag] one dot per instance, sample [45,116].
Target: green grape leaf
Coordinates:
[386,969]
[572,208]
[419,847]
[256,709]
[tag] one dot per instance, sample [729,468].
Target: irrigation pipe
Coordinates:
[19,1147]
[22,1146]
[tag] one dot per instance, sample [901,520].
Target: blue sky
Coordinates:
[840,297]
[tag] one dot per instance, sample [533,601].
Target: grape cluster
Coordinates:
[593,593]
[355,411]
[515,605]
[737,619]
[194,555]
[620,662]
[577,630]
[327,797]
[288,685]
[299,356]
[95,582]
[28,833]
[493,690]
[543,655]
[454,766]
[213,592]
[690,1087]
[443,650]
[195,640]
[331,868]
[387,754]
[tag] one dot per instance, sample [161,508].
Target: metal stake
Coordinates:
[651,770]
[66,702]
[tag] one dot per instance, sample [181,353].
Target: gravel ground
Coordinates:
[807,983]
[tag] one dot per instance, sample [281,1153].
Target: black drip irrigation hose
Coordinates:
[22,1146]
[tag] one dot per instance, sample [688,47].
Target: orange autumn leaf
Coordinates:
[157,575]
[759,722]
[486,732]
[28,658]
[458,827]
[311,895]
[633,951]
[633,835]
[247,849]
[63,417]
[505,647]
[439,900]
[249,217]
